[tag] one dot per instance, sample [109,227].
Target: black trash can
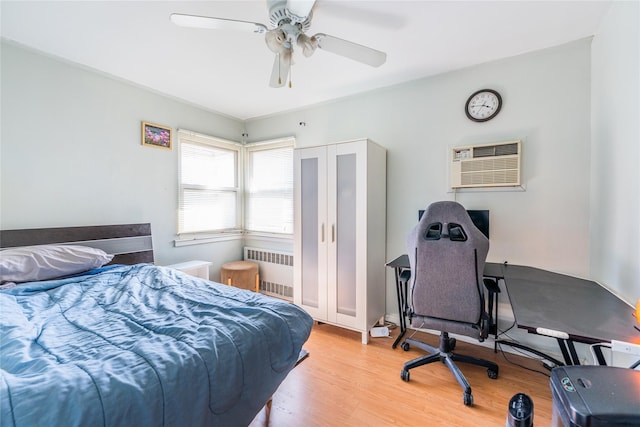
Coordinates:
[520,411]
[594,396]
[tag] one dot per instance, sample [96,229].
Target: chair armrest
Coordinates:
[491,285]
[405,275]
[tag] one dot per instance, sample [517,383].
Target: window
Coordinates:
[213,194]
[269,187]
[210,196]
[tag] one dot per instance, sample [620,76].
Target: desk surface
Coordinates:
[582,308]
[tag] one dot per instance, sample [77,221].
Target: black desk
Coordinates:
[567,308]
[563,307]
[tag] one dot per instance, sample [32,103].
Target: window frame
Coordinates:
[242,173]
[184,238]
[278,143]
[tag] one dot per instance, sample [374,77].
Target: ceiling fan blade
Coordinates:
[299,10]
[206,22]
[351,50]
[280,71]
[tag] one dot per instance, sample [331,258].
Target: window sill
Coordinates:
[199,240]
[209,239]
[275,237]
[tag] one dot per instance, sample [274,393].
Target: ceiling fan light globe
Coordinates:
[307,44]
[275,40]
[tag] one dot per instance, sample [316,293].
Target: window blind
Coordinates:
[269,188]
[209,187]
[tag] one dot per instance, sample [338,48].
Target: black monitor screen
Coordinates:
[479,217]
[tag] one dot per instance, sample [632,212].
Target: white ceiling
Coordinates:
[228,71]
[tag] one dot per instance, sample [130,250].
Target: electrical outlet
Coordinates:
[625,347]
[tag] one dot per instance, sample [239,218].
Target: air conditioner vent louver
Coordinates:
[506,149]
[495,150]
[484,151]
[487,165]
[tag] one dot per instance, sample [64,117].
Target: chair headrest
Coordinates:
[447,219]
[451,231]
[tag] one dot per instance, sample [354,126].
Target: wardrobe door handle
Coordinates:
[333,233]
[322,233]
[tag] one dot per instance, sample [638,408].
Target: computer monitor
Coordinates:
[480,218]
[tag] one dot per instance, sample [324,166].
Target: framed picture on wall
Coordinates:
[154,135]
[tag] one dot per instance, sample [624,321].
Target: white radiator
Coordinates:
[276,271]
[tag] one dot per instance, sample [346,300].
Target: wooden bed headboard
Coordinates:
[128,243]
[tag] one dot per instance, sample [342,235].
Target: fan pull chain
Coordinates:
[290,68]
[279,73]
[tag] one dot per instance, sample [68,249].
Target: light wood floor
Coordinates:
[345,383]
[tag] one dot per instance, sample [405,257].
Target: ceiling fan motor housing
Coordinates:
[279,15]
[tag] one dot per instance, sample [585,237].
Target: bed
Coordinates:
[126,342]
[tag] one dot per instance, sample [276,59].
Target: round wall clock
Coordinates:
[483,105]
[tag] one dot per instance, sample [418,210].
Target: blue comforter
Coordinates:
[142,346]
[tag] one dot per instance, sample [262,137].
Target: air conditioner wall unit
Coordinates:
[486,165]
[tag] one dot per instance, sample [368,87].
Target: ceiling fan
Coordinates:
[288,22]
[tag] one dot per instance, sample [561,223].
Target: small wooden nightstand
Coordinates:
[241,274]
[194,268]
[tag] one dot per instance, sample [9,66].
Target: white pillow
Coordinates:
[44,262]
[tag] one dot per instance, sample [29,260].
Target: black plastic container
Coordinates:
[520,411]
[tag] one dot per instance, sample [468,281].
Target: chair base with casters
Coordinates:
[444,353]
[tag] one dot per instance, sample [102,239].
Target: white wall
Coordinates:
[615,152]
[546,103]
[71,152]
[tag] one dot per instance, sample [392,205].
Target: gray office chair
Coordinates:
[447,254]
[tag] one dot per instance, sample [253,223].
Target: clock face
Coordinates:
[483,105]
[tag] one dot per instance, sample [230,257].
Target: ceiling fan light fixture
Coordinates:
[276,40]
[307,44]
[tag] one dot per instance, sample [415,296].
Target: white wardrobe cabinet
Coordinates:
[340,233]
